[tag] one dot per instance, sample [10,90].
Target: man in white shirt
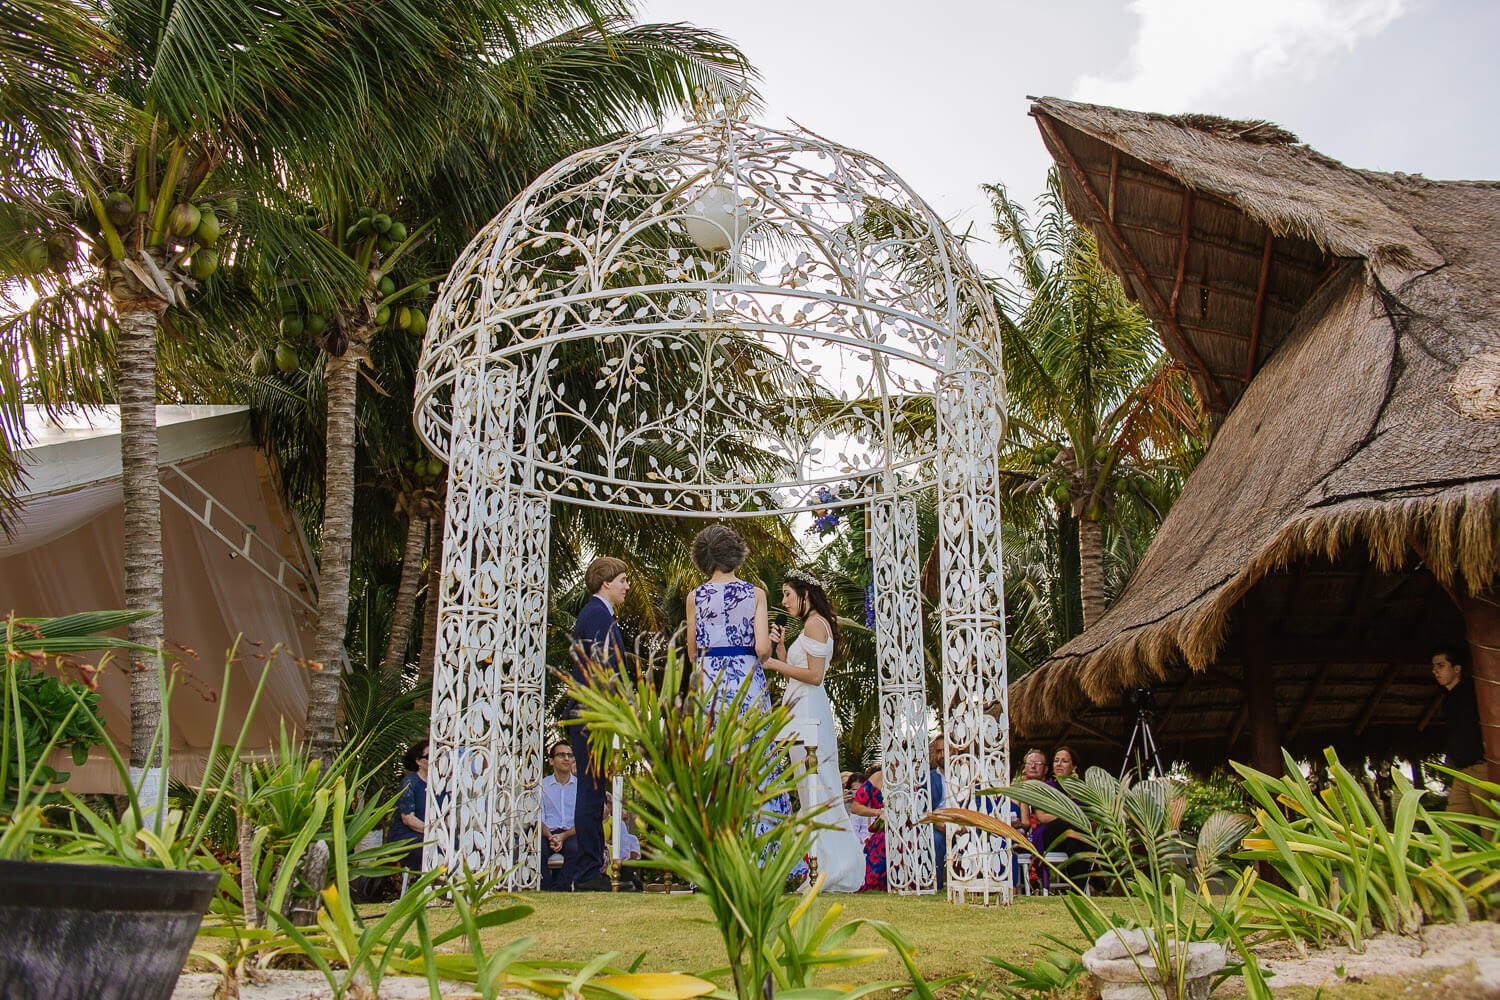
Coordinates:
[559,840]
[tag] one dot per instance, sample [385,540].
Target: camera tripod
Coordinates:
[1141,748]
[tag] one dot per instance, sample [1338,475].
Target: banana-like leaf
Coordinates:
[658,985]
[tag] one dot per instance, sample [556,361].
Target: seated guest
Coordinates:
[1034,821]
[630,850]
[937,753]
[859,824]
[559,800]
[410,821]
[869,802]
[1058,834]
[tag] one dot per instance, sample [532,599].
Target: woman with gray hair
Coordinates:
[728,635]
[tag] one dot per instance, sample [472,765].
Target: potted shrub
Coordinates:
[90,906]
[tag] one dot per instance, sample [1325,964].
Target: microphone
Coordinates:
[778,618]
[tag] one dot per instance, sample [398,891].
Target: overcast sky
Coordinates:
[938,89]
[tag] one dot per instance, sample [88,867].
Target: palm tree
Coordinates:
[225,100]
[1097,412]
[558,75]
[147,162]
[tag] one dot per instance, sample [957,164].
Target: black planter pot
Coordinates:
[85,931]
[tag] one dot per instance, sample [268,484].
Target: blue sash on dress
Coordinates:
[729,651]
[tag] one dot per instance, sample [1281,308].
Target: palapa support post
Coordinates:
[1260,687]
[1481,613]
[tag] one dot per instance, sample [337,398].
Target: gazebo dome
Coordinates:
[727,319]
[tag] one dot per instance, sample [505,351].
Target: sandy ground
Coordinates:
[1448,959]
[283,985]
[1445,957]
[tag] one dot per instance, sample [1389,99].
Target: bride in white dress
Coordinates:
[840,856]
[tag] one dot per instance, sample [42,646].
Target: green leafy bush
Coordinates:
[1131,834]
[43,711]
[703,780]
[289,802]
[1349,871]
[1220,791]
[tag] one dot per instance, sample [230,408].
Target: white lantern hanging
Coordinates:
[716,218]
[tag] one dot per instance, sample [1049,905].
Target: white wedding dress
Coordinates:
[840,856]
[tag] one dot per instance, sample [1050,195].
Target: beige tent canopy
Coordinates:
[235,563]
[1344,326]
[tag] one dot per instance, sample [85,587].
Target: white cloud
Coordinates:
[1188,52]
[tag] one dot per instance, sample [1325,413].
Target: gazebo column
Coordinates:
[486,738]
[910,854]
[976,717]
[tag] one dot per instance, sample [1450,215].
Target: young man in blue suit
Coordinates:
[597,645]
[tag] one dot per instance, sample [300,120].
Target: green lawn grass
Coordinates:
[677,935]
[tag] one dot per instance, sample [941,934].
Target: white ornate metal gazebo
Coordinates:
[725,321]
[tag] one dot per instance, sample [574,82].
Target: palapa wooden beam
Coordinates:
[1182,249]
[1133,262]
[1431,713]
[1156,180]
[1373,703]
[1307,649]
[1252,359]
[1097,734]
[1239,724]
[1307,702]
[1114,177]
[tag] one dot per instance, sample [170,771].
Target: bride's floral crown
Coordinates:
[803,576]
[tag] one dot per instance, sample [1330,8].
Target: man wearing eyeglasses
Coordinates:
[559,805]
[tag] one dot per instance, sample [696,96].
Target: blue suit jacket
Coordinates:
[597,643]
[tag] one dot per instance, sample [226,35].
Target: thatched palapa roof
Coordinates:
[1344,325]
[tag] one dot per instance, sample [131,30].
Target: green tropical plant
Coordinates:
[1062,965]
[38,714]
[43,710]
[1349,871]
[1219,791]
[293,802]
[701,782]
[702,822]
[1130,833]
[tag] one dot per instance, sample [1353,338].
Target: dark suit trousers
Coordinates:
[560,879]
[588,810]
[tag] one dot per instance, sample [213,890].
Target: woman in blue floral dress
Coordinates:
[728,633]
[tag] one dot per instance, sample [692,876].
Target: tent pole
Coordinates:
[1260,688]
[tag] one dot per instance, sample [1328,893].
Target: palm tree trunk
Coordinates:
[1070,602]
[141,479]
[428,650]
[1091,568]
[406,590]
[341,376]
